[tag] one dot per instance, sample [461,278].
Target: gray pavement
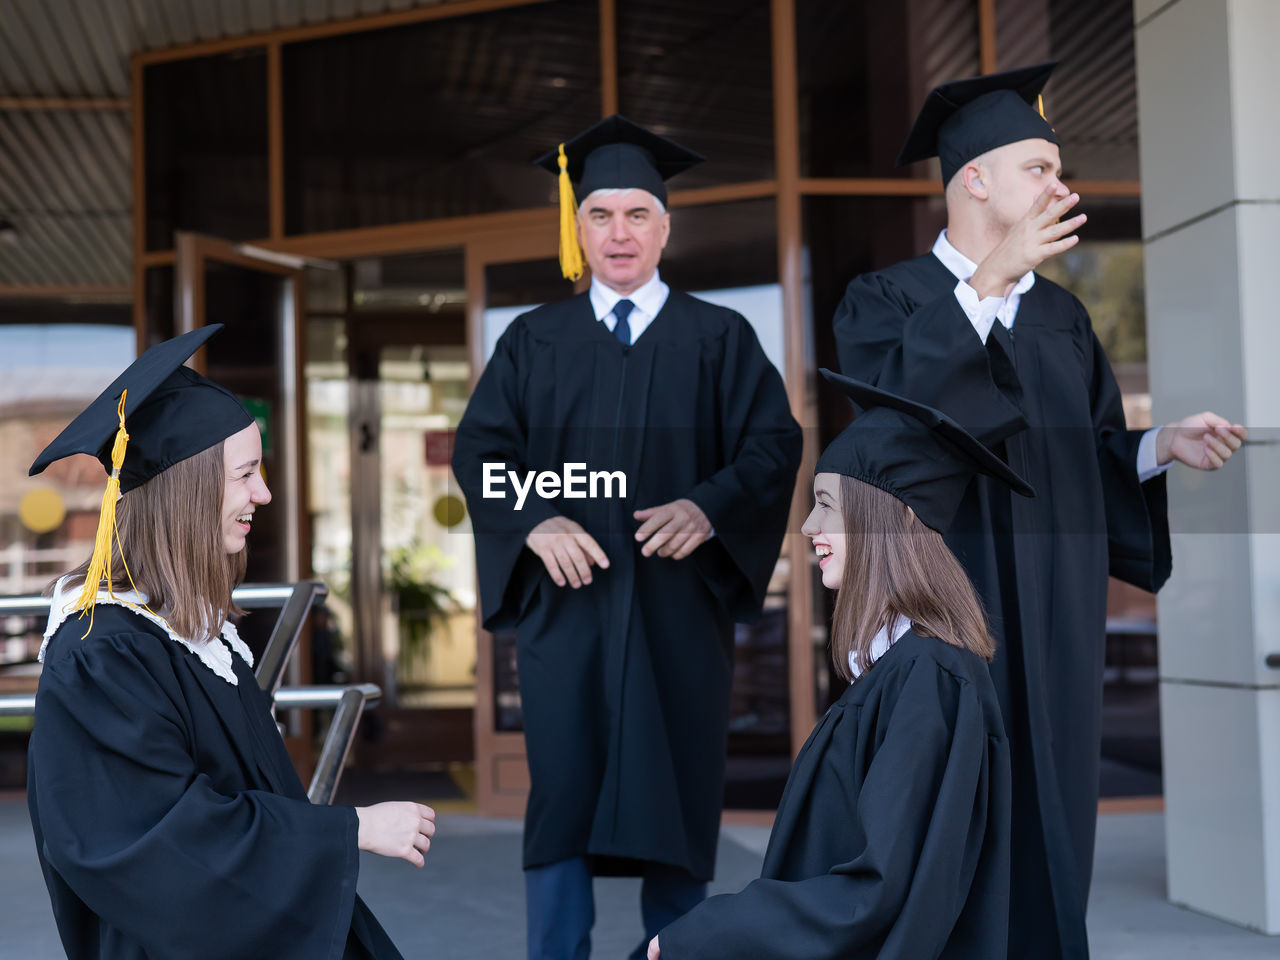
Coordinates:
[468,902]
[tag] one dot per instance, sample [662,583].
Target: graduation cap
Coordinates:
[916,453]
[613,154]
[155,414]
[966,118]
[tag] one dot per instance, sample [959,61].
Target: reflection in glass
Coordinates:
[702,75]
[436,119]
[863,71]
[206,147]
[47,522]
[1092,98]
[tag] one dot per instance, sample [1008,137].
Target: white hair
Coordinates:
[614,191]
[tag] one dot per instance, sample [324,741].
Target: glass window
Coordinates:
[47,522]
[728,253]
[701,74]
[863,71]
[206,147]
[437,119]
[1092,99]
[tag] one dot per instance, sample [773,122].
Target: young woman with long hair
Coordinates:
[892,837]
[169,820]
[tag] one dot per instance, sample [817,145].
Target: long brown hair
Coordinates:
[171,535]
[895,566]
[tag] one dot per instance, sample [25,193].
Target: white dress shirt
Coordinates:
[880,644]
[649,298]
[983,314]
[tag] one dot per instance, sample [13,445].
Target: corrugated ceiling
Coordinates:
[65,182]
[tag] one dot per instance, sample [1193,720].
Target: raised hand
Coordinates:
[566,550]
[397,828]
[1032,240]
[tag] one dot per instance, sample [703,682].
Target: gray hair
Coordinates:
[614,191]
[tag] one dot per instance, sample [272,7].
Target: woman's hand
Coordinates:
[399,828]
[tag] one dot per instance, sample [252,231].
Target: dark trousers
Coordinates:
[560,909]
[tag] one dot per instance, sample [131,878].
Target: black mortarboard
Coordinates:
[616,153]
[613,154]
[966,118]
[170,413]
[914,452]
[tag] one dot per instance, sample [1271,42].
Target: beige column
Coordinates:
[1208,76]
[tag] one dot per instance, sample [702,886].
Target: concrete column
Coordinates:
[1210,140]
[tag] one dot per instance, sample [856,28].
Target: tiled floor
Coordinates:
[468,902]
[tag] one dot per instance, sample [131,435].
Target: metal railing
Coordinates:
[348,702]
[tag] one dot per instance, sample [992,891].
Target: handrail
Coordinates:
[284,635]
[337,742]
[250,596]
[17,704]
[348,702]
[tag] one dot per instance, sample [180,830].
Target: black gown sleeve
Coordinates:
[141,836]
[748,499]
[930,352]
[494,429]
[1137,513]
[922,815]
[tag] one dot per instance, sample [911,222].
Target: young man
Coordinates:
[624,599]
[1040,566]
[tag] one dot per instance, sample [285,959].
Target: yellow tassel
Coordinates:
[100,560]
[570,252]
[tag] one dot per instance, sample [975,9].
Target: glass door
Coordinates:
[258,296]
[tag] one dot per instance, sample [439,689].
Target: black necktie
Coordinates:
[622,329]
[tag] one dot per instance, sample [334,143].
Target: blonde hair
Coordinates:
[895,567]
[170,531]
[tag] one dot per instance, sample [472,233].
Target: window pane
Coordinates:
[437,119]
[863,71]
[206,147]
[1092,100]
[702,75]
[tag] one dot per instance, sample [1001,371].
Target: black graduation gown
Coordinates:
[892,838]
[625,683]
[169,821]
[1040,566]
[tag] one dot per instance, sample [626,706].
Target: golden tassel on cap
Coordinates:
[570,252]
[108,535]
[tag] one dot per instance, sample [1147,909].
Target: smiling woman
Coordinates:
[151,732]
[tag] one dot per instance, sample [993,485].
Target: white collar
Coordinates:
[215,656]
[649,297]
[962,268]
[880,644]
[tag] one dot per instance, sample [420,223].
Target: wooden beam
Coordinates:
[726,193]
[786,140]
[139,207]
[379,21]
[869,187]
[908,187]
[64,103]
[987,36]
[118,293]
[608,58]
[275,143]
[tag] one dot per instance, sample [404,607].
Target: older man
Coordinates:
[624,598]
[1040,566]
